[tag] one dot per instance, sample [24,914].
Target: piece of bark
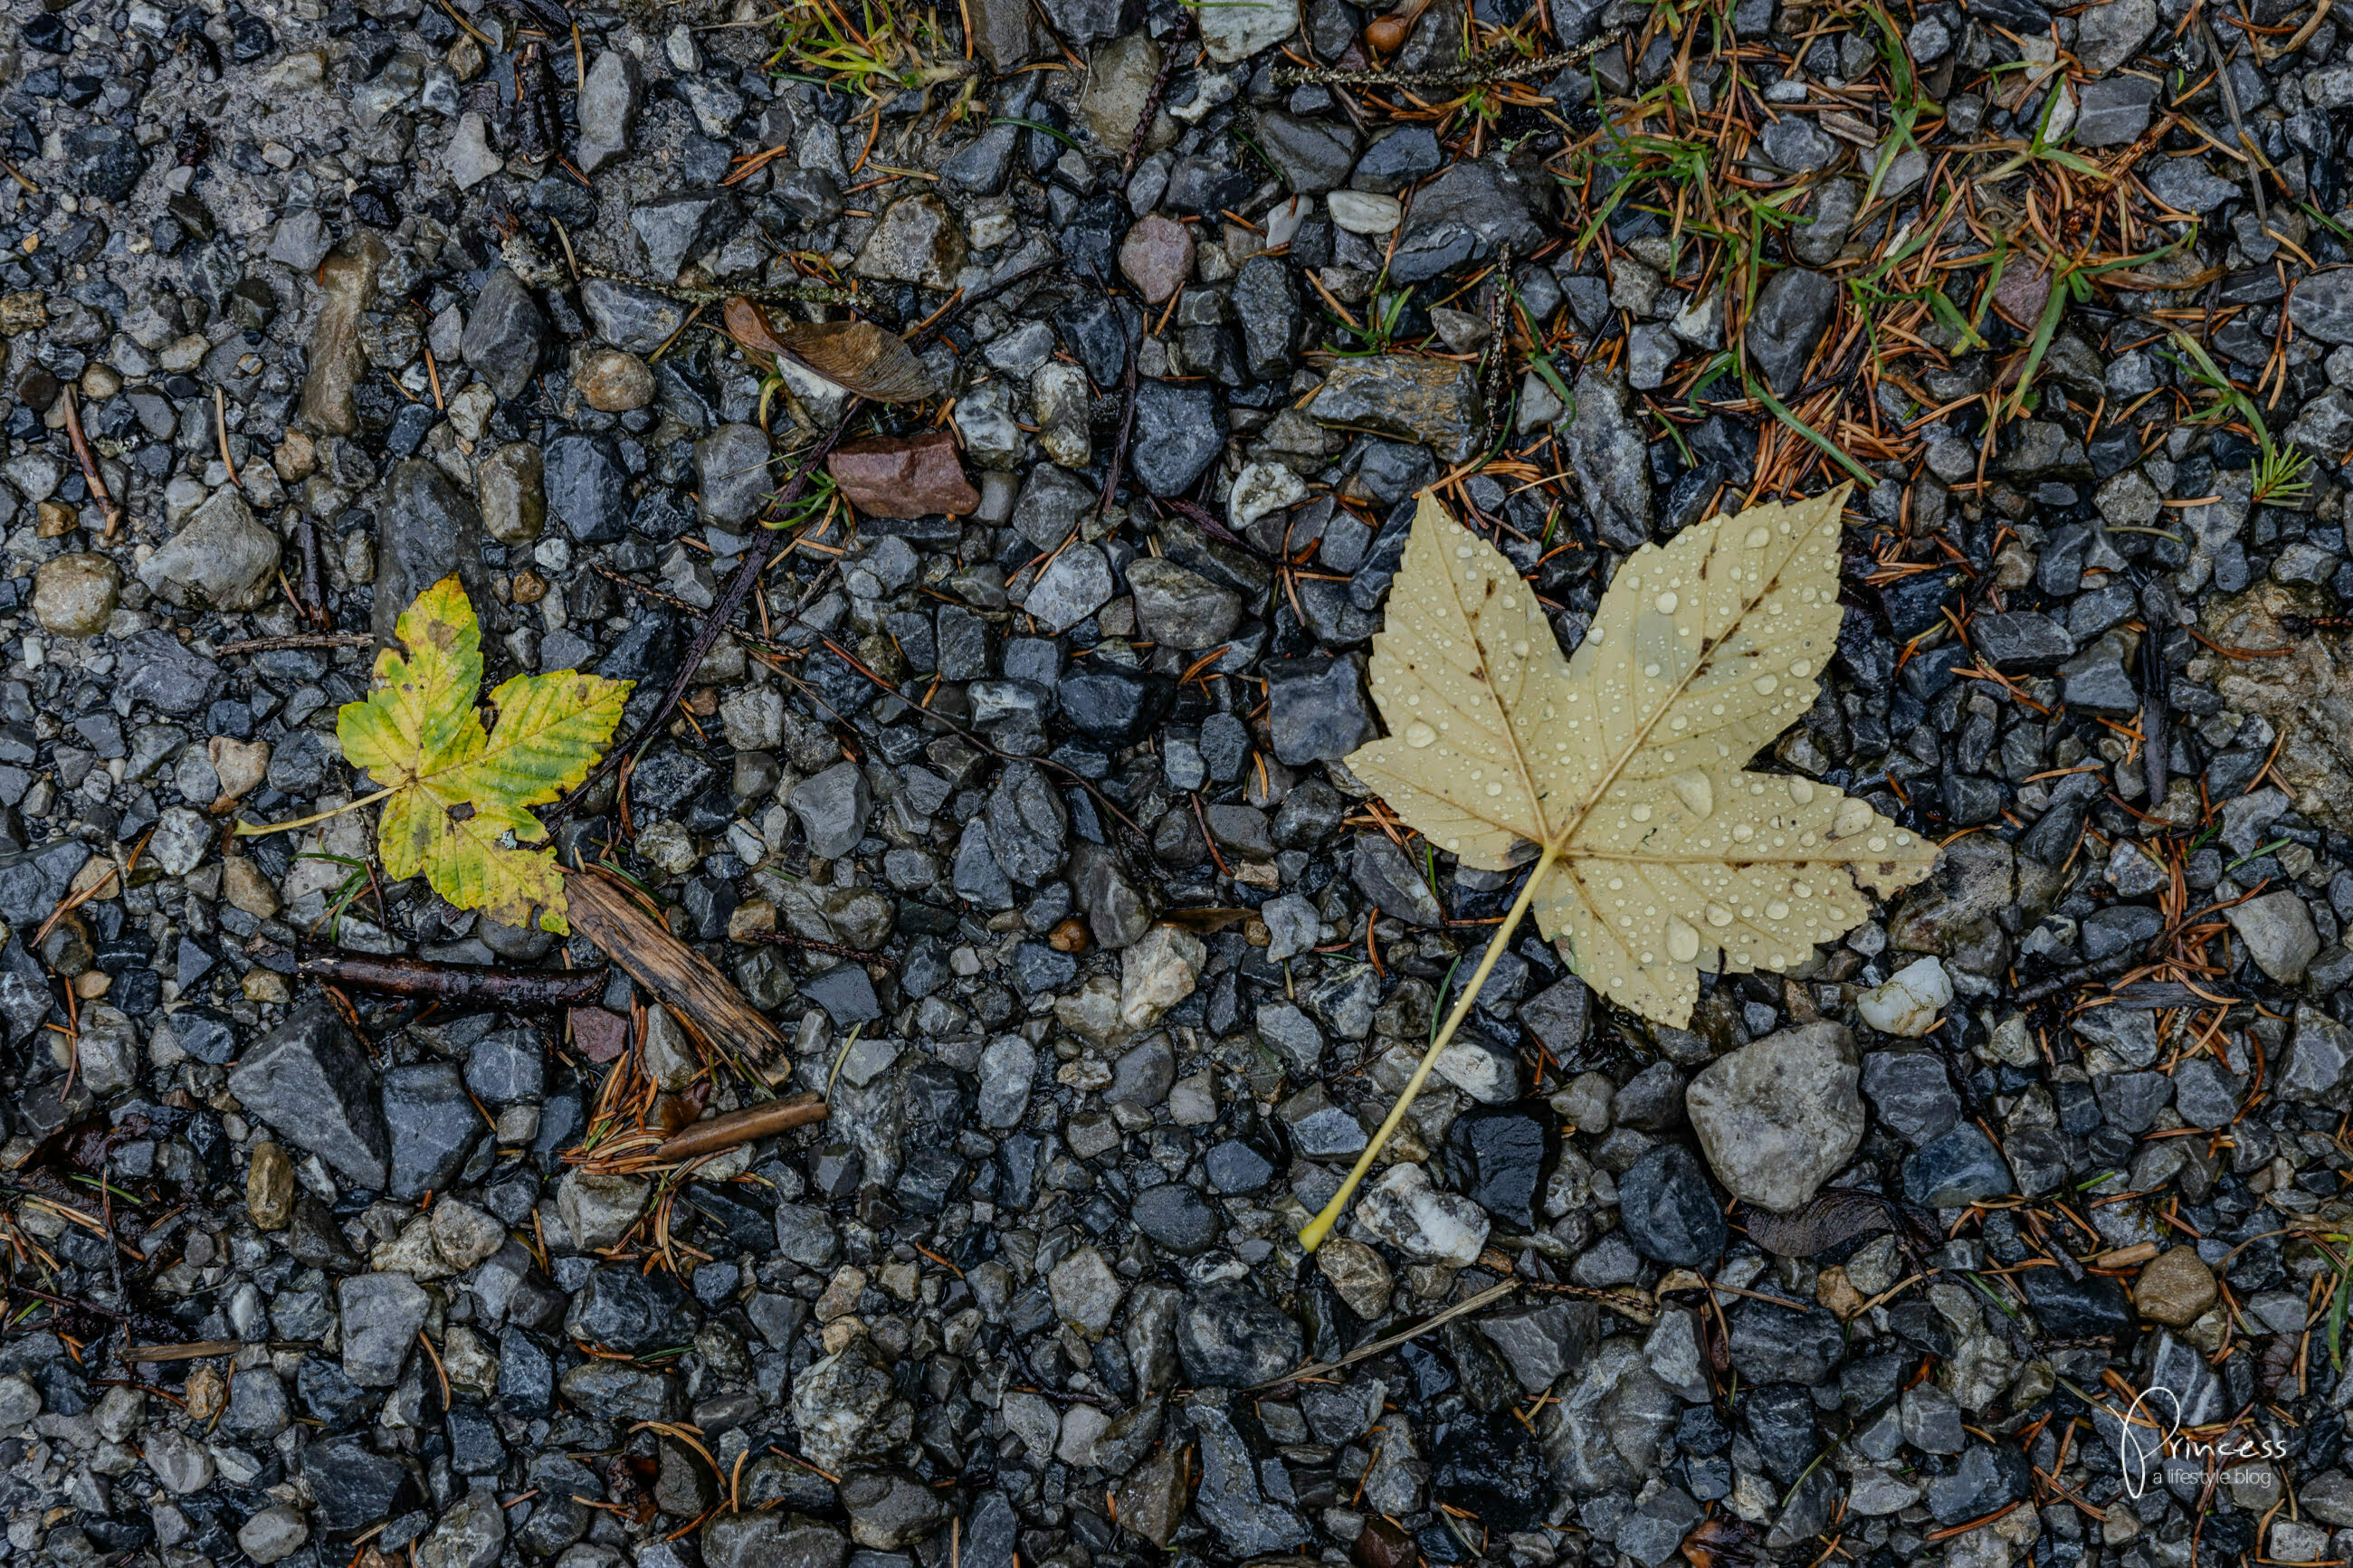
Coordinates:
[743,1127]
[696,994]
[484,984]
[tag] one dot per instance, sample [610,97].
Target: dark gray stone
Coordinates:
[1229,1336]
[677,227]
[1912,1093]
[588,487]
[1464,215]
[1792,310]
[1177,1218]
[1960,1167]
[428,532]
[1179,431]
[1318,708]
[506,334]
[434,1126]
[1670,1211]
[311,1080]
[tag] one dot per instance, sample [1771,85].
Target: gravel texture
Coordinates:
[1015,797]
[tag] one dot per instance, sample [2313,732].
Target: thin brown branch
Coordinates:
[295,640]
[743,1127]
[516,990]
[90,470]
[1168,54]
[810,944]
[1390,1342]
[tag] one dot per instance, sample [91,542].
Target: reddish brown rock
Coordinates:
[1382,1544]
[1157,255]
[601,1036]
[904,476]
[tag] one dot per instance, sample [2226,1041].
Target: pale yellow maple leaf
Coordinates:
[1623,772]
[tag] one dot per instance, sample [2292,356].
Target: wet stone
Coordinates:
[74,596]
[1780,1116]
[1668,1209]
[918,240]
[1179,608]
[678,226]
[586,486]
[1497,1156]
[1792,310]
[633,318]
[1229,1336]
[1911,1093]
[1157,257]
[1955,1168]
[1179,431]
[1433,402]
[310,1080]
[1318,708]
[1464,215]
[434,1126]
[506,333]
[221,558]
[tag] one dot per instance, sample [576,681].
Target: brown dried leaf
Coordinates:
[1830,1217]
[1723,1541]
[858,355]
[1626,763]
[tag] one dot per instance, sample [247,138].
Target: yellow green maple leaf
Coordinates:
[457,797]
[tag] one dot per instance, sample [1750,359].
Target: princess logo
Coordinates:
[2150,1435]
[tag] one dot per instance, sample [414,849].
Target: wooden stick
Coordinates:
[89,470]
[694,991]
[519,990]
[297,639]
[739,1127]
[220,433]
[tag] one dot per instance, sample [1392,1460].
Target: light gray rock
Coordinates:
[832,807]
[1075,585]
[1007,1067]
[608,108]
[2278,931]
[1400,1208]
[599,1210]
[382,1314]
[222,559]
[1779,1117]
[470,1535]
[273,1534]
[731,466]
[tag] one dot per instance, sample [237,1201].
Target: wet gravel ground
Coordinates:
[1015,796]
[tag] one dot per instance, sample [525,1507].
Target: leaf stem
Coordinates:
[1321,1225]
[247,830]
